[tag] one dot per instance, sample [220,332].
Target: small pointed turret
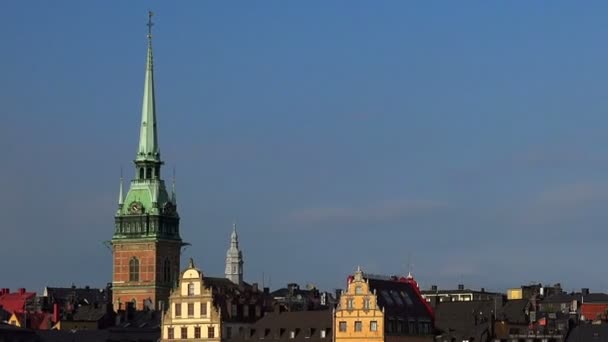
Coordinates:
[234,259]
[148,138]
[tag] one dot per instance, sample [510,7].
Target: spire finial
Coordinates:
[150,24]
[191,263]
[234,238]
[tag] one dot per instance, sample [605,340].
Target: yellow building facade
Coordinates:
[191,314]
[358,316]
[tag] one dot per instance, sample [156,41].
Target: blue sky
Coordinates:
[468,139]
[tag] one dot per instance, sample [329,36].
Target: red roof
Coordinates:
[36,320]
[593,311]
[15,302]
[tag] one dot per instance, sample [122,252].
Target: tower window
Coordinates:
[148,173]
[157,172]
[141,173]
[134,269]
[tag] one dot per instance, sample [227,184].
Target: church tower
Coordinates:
[146,243]
[234,259]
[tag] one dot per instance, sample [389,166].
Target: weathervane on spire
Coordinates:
[150,24]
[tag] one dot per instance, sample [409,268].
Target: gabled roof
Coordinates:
[35,320]
[400,298]
[15,301]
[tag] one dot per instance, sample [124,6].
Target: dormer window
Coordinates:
[350,303]
[358,290]
[292,334]
[190,289]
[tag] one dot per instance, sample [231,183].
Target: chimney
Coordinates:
[55,313]
[254,287]
[434,288]
[22,291]
[585,291]
[461,286]
[266,290]
[483,289]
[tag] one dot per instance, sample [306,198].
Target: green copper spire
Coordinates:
[148,139]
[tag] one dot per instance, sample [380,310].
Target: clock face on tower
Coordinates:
[136,208]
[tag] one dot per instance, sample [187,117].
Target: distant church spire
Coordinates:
[234,259]
[148,138]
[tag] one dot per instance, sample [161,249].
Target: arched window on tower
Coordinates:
[167,270]
[148,173]
[134,269]
[141,173]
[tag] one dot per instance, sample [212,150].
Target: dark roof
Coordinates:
[428,292]
[77,295]
[149,319]
[400,298]
[514,311]
[593,298]
[12,333]
[278,326]
[89,313]
[464,316]
[108,335]
[589,333]
[4,315]
[69,336]
[560,298]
